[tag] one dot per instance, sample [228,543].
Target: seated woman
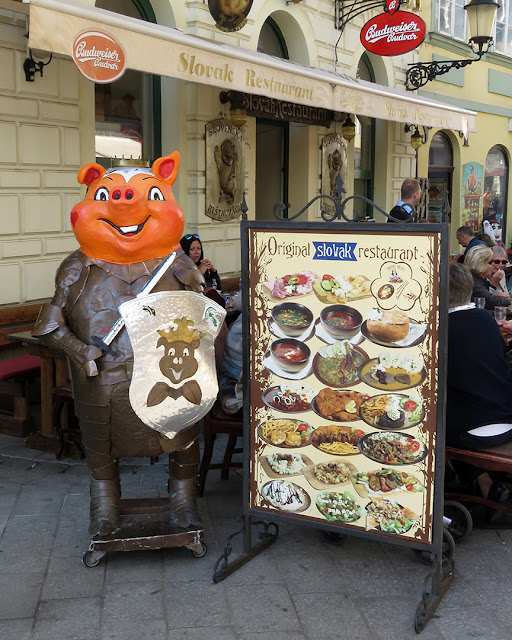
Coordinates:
[498,278]
[191,245]
[479,261]
[479,382]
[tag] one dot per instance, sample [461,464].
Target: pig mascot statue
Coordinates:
[127,226]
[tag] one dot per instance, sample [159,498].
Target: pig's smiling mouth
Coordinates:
[132,230]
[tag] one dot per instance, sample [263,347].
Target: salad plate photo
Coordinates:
[389,516]
[339,507]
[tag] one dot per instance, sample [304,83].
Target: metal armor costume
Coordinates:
[85,303]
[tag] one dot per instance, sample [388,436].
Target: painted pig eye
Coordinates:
[155,194]
[101,194]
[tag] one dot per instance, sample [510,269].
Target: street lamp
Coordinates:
[237,111]
[481,15]
[416,140]
[348,130]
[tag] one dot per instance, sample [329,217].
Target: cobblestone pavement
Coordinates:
[300,588]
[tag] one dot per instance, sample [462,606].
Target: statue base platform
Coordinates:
[145,525]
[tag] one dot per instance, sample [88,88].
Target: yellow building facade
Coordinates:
[54,125]
[486,88]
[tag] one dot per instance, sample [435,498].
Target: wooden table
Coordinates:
[54,372]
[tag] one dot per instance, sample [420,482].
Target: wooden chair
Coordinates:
[62,398]
[16,375]
[216,422]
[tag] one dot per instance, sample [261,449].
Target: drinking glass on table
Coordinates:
[479,303]
[500,314]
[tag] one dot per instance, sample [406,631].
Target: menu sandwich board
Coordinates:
[345,366]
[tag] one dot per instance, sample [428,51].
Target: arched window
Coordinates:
[440,173]
[495,186]
[271,40]
[126,123]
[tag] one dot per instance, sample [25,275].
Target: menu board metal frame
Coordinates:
[438,581]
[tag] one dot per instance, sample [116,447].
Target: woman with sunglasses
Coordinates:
[191,245]
[498,278]
[479,261]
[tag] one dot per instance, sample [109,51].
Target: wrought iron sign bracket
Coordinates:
[347,10]
[422,72]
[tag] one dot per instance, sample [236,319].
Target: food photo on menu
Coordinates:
[342,432]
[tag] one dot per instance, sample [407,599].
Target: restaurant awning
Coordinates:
[54,25]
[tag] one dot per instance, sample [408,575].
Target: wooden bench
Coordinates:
[495,459]
[17,372]
[16,319]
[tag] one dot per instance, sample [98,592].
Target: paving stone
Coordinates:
[134,600]
[263,569]
[135,566]
[279,635]
[368,576]
[24,558]
[181,566]
[392,617]
[75,508]
[8,495]
[69,619]
[69,578]
[33,501]
[331,616]
[134,629]
[204,633]
[71,539]
[31,529]
[20,629]
[459,595]
[257,609]
[309,573]
[474,623]
[196,604]
[19,594]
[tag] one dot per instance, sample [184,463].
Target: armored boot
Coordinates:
[105,505]
[183,486]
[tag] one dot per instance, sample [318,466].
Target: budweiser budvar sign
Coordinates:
[392,34]
[98,56]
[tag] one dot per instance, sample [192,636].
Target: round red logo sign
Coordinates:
[98,56]
[393,35]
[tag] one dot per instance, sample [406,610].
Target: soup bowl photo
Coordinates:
[289,354]
[341,321]
[292,318]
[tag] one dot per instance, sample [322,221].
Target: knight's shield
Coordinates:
[174,382]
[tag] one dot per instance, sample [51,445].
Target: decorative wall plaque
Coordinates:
[334,168]
[224,170]
[229,15]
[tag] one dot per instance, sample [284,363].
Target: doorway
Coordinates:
[440,172]
[272,152]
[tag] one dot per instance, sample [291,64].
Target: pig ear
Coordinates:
[167,168]
[90,172]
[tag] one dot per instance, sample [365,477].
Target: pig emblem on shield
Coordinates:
[172,333]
